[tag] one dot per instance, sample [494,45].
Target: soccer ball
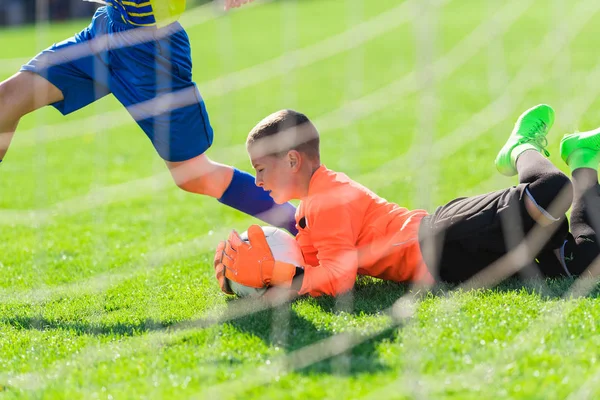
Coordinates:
[284,248]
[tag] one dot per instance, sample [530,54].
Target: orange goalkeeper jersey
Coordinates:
[345,229]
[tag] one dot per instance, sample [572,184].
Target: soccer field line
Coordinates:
[336,119]
[235,81]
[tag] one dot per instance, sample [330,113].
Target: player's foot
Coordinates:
[529,133]
[581,150]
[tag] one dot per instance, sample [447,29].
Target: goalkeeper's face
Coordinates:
[279,175]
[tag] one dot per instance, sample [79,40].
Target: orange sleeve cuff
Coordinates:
[283,274]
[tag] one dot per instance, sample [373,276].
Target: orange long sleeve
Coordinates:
[345,229]
[335,264]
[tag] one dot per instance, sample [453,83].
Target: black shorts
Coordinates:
[466,235]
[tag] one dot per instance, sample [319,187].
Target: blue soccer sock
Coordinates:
[243,195]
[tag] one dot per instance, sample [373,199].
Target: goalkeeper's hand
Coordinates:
[252,264]
[220,268]
[235,3]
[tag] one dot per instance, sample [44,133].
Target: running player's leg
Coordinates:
[64,75]
[21,94]
[154,82]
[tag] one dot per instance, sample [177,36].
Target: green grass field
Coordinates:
[106,283]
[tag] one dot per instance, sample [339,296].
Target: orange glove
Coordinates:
[220,268]
[252,264]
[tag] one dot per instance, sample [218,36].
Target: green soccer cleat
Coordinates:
[581,150]
[529,133]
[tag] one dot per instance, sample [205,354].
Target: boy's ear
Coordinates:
[294,158]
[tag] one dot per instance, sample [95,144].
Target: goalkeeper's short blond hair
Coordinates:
[283,131]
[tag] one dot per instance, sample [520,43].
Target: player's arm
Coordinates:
[333,236]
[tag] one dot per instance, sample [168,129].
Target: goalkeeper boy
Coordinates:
[137,51]
[345,229]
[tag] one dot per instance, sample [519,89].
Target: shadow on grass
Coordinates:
[374,296]
[293,331]
[547,288]
[86,328]
[284,328]
[371,296]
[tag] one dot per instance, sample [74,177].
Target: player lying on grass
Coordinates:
[345,229]
[138,52]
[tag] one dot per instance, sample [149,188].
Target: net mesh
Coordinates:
[412,98]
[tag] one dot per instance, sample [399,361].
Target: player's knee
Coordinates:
[199,183]
[201,175]
[26,92]
[7,100]
[197,186]
[563,190]
[553,192]
[185,186]
[13,103]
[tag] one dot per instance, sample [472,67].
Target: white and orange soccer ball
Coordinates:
[284,248]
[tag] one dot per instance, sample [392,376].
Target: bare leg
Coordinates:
[201,175]
[550,191]
[233,188]
[21,94]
